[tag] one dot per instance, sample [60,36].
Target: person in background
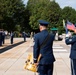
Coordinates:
[3,37]
[24,36]
[46,62]
[0,37]
[12,36]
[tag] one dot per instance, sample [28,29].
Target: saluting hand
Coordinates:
[75,30]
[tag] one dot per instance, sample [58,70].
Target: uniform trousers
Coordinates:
[0,42]
[45,69]
[24,39]
[3,40]
[11,40]
[73,66]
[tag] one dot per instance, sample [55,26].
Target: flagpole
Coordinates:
[64,25]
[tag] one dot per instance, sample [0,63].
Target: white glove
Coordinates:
[68,35]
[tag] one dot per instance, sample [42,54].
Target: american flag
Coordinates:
[70,26]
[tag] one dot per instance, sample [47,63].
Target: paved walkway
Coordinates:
[12,61]
[7,42]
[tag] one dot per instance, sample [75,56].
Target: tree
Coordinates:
[53,15]
[68,13]
[43,9]
[36,12]
[12,12]
[25,21]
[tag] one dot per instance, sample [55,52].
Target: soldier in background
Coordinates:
[0,37]
[3,36]
[12,36]
[24,36]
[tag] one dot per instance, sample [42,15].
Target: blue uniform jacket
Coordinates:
[72,41]
[46,51]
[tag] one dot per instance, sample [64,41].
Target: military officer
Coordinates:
[0,37]
[3,37]
[12,36]
[24,36]
[45,65]
[71,40]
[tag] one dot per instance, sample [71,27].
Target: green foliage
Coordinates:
[50,11]
[18,28]
[13,12]
[15,16]
[46,10]
[68,13]
[53,15]
[17,34]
